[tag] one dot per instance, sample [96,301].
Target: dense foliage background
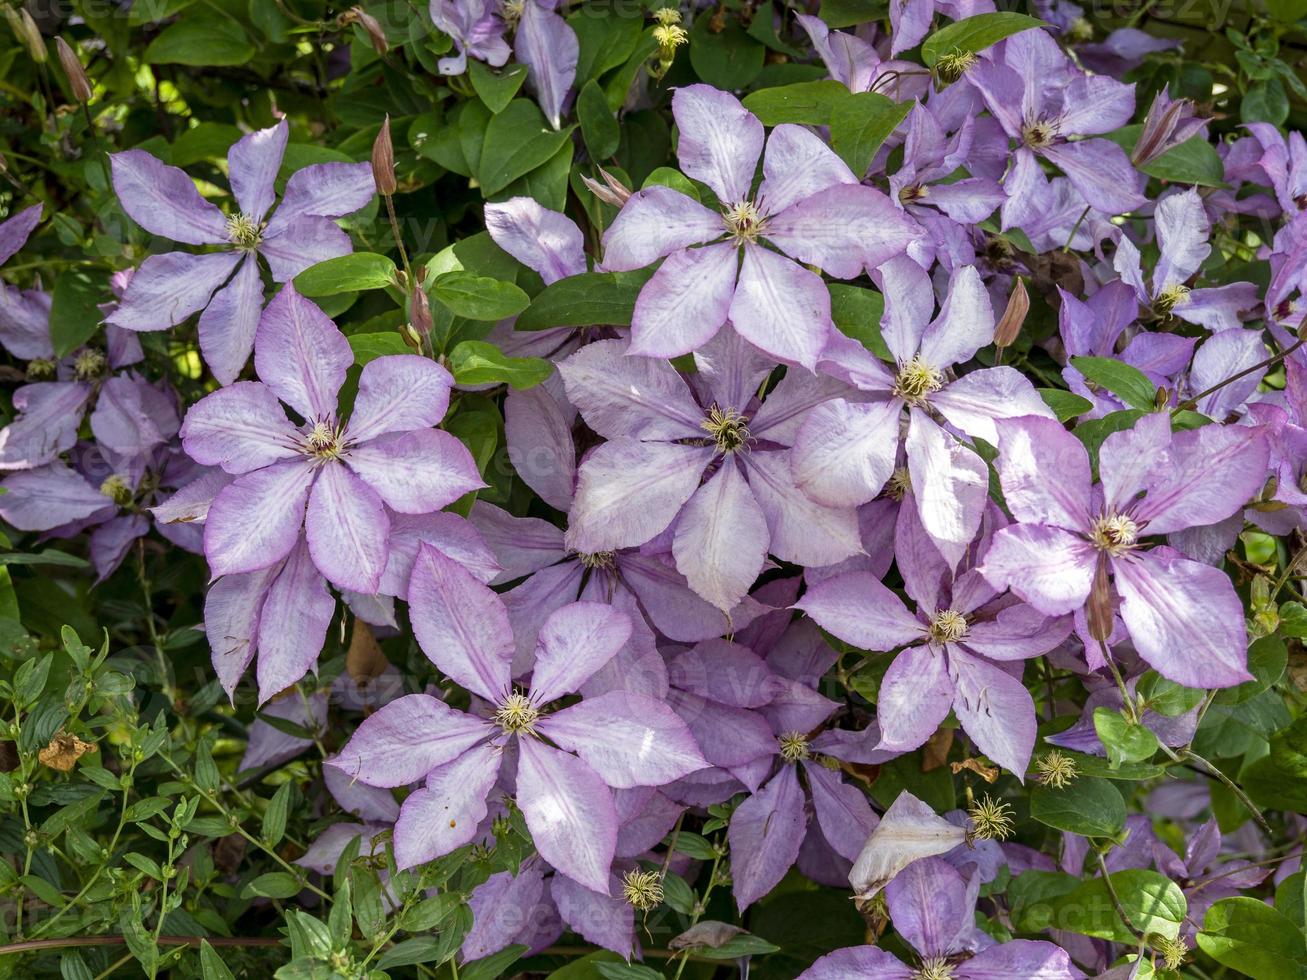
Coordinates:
[1077,750]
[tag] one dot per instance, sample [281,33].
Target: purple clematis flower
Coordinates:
[910,19]
[621,740]
[845,451]
[933,907]
[338,479]
[1203,876]
[1183,617]
[1043,101]
[227,285]
[1182,232]
[476,28]
[961,651]
[853,61]
[663,435]
[809,206]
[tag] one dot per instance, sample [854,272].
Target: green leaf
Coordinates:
[735,947]
[850,13]
[490,967]
[585,300]
[727,59]
[1124,740]
[275,884]
[347,274]
[1194,161]
[479,297]
[1268,658]
[599,126]
[856,312]
[370,346]
[429,913]
[627,971]
[1066,405]
[211,965]
[495,88]
[475,362]
[607,38]
[74,309]
[46,557]
[1293,620]
[860,124]
[201,41]
[274,817]
[1248,936]
[1125,381]
[1090,806]
[1265,101]
[1287,11]
[1152,902]
[975,34]
[517,141]
[411,951]
[808,103]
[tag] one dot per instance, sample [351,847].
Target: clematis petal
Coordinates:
[255,520]
[798,164]
[624,396]
[686,301]
[1210,474]
[995,710]
[168,288]
[230,321]
[548,46]
[252,165]
[908,831]
[44,498]
[301,355]
[802,530]
[1184,619]
[397,393]
[933,907]
[628,739]
[781,308]
[15,230]
[1017,632]
[858,609]
[569,812]
[915,697]
[540,445]
[446,813]
[231,621]
[720,140]
[727,736]
[1182,232]
[599,919]
[1101,172]
[306,241]
[574,642]
[416,472]
[1027,958]
[721,538]
[842,229]
[765,835]
[950,485]
[842,811]
[406,739]
[965,322]
[50,413]
[164,201]
[1046,566]
[292,624]
[860,962]
[347,528]
[460,624]
[548,242]
[654,222]
[1045,473]
[629,491]
[845,451]
[241,428]
[975,400]
[330,190]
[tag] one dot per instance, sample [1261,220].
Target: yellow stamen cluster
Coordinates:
[1037,134]
[40,369]
[728,428]
[1114,533]
[948,626]
[669,37]
[935,968]
[244,232]
[917,381]
[1169,298]
[953,65]
[324,441]
[516,715]
[913,192]
[596,559]
[743,222]
[1056,769]
[89,364]
[642,890]
[991,819]
[900,484]
[117,489]
[794,746]
[1172,951]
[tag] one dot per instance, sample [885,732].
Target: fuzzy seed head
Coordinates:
[917,381]
[1056,769]
[728,428]
[642,890]
[1114,533]
[794,746]
[934,968]
[991,819]
[1172,951]
[954,65]
[948,626]
[89,364]
[244,232]
[117,489]
[517,715]
[743,222]
[667,16]
[669,37]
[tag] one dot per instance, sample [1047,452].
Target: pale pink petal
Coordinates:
[845,451]
[995,710]
[407,738]
[397,393]
[721,538]
[765,834]
[301,355]
[416,472]
[446,813]
[781,308]
[573,643]
[686,302]
[347,528]
[720,140]
[256,520]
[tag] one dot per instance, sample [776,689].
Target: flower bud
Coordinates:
[371,27]
[1009,324]
[77,80]
[25,29]
[1099,611]
[615,193]
[419,313]
[383,161]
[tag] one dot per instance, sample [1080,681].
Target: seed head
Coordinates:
[948,626]
[1056,769]
[642,890]
[728,428]
[40,369]
[1172,951]
[794,746]
[89,364]
[952,66]
[917,381]
[517,715]
[991,819]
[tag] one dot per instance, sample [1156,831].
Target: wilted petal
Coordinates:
[780,307]
[720,140]
[908,831]
[569,812]
[406,739]
[628,739]
[655,222]
[845,451]
[574,642]
[292,624]
[398,393]
[460,624]
[627,396]
[241,428]
[685,302]
[164,201]
[256,520]
[721,538]
[1184,619]
[168,288]
[629,491]
[445,813]
[548,242]
[301,355]
[416,472]
[230,321]
[765,835]
[347,528]
[995,709]
[858,609]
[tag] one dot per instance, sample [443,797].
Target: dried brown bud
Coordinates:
[371,27]
[364,660]
[383,161]
[1009,324]
[63,752]
[419,313]
[611,191]
[1099,611]
[77,80]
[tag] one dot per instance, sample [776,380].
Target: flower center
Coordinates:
[1169,298]
[728,428]
[511,11]
[914,192]
[1114,533]
[324,441]
[516,714]
[89,364]
[900,484]
[117,489]
[1038,134]
[42,368]
[948,626]
[935,968]
[953,65]
[597,559]
[916,381]
[1081,30]
[244,232]
[743,222]
[794,746]
[642,890]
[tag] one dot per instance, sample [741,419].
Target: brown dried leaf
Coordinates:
[364,660]
[63,751]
